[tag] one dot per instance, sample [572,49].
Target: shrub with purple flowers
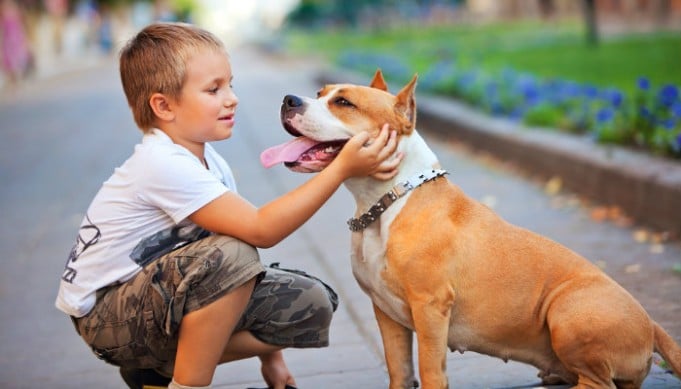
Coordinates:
[649,119]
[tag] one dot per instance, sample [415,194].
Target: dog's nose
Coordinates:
[292,101]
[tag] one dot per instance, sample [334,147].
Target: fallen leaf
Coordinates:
[659,237]
[553,186]
[615,213]
[599,214]
[635,268]
[624,221]
[641,235]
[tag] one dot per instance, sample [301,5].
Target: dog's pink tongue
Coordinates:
[287,152]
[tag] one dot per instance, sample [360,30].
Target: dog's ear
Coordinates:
[378,82]
[406,103]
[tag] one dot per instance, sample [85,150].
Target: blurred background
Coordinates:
[607,69]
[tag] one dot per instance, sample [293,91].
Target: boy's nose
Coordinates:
[231,99]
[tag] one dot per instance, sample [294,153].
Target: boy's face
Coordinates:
[207,104]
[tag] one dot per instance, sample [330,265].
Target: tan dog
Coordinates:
[440,264]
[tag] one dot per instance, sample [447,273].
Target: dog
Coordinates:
[437,263]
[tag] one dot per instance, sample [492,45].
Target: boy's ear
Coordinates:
[161,106]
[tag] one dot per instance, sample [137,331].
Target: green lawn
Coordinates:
[625,90]
[547,50]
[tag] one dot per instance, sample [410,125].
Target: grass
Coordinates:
[542,49]
[625,90]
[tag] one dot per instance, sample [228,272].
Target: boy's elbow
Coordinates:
[265,241]
[264,244]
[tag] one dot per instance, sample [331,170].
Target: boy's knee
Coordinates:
[320,299]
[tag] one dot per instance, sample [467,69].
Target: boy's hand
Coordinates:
[362,156]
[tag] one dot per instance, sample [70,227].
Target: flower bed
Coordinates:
[648,118]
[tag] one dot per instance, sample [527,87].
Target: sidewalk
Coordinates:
[64,138]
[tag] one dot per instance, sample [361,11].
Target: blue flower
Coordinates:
[529,89]
[590,91]
[616,98]
[676,109]
[668,94]
[643,83]
[604,115]
[668,124]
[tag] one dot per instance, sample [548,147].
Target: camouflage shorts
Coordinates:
[135,324]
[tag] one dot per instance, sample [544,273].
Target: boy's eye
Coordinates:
[213,90]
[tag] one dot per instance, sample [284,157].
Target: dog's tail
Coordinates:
[667,347]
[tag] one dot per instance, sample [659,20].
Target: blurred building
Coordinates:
[614,14]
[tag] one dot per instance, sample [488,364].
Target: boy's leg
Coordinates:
[135,325]
[287,310]
[204,335]
[244,345]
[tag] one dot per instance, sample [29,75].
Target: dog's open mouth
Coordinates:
[302,154]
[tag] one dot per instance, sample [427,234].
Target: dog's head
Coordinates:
[323,125]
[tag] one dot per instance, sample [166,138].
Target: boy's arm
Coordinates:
[232,215]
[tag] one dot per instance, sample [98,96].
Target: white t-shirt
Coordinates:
[139,214]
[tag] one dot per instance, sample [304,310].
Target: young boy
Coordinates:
[164,280]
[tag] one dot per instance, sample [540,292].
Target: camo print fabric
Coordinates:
[135,324]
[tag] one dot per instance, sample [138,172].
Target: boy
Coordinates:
[164,280]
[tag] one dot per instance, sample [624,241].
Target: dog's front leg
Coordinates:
[431,323]
[397,347]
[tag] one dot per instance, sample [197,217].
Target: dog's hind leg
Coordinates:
[397,347]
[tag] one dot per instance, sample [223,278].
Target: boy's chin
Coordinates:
[224,133]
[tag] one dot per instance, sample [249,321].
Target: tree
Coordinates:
[591,22]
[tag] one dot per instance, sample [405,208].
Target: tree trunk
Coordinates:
[591,22]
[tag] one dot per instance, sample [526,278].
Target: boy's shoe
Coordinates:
[143,378]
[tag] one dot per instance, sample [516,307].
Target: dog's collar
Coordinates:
[399,190]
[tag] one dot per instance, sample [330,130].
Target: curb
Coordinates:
[647,188]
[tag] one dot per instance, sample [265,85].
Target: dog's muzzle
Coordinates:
[291,106]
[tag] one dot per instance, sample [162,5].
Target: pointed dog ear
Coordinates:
[378,82]
[406,102]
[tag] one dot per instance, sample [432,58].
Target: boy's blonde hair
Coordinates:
[155,61]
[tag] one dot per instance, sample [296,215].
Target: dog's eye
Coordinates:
[343,101]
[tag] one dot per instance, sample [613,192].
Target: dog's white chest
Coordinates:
[368,267]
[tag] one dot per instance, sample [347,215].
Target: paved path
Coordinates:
[63,136]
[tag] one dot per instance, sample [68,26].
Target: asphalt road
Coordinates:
[63,136]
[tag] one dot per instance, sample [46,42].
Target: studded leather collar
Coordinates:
[397,191]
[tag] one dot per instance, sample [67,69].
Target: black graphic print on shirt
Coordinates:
[88,235]
[166,241]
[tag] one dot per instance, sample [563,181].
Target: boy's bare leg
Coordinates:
[204,335]
[244,345]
